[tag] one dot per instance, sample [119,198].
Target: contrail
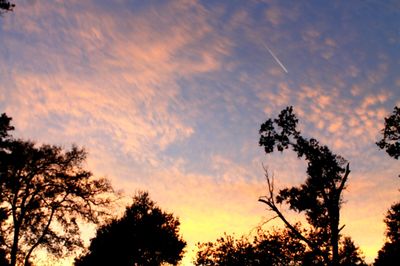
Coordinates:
[276,58]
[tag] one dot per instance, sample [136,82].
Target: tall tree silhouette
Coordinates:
[390,252]
[319,197]
[43,192]
[5,127]
[145,235]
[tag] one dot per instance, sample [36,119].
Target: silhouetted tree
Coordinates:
[276,248]
[145,235]
[281,247]
[6,6]
[390,252]
[319,197]
[226,251]
[391,134]
[350,254]
[5,127]
[43,191]
[267,248]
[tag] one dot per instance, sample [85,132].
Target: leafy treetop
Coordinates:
[391,134]
[145,235]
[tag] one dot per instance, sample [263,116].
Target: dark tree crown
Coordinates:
[145,235]
[390,252]
[391,134]
[44,190]
[6,6]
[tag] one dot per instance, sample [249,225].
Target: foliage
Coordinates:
[145,235]
[391,134]
[390,252]
[278,248]
[319,197]
[6,6]
[5,127]
[350,254]
[226,251]
[267,248]
[44,190]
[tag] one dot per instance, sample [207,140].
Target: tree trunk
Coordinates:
[335,245]
[14,248]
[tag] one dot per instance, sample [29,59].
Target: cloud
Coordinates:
[274,15]
[127,84]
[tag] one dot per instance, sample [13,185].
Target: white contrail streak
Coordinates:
[276,58]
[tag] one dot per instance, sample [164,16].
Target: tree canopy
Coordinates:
[44,191]
[391,134]
[279,247]
[6,6]
[319,197]
[390,252]
[145,235]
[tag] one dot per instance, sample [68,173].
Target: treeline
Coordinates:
[46,195]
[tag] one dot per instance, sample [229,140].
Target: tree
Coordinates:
[5,127]
[6,6]
[271,248]
[391,134]
[145,235]
[44,191]
[278,247]
[226,251]
[281,247]
[319,197]
[350,254]
[390,252]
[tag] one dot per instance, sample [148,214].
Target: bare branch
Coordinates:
[270,202]
[344,179]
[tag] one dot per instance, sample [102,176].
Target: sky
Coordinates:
[169,96]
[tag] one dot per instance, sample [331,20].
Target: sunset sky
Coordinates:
[168,96]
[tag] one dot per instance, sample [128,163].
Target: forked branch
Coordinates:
[270,202]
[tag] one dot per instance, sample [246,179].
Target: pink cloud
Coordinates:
[274,15]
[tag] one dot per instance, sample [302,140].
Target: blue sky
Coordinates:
[168,96]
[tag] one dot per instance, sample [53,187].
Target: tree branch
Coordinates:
[344,179]
[270,202]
